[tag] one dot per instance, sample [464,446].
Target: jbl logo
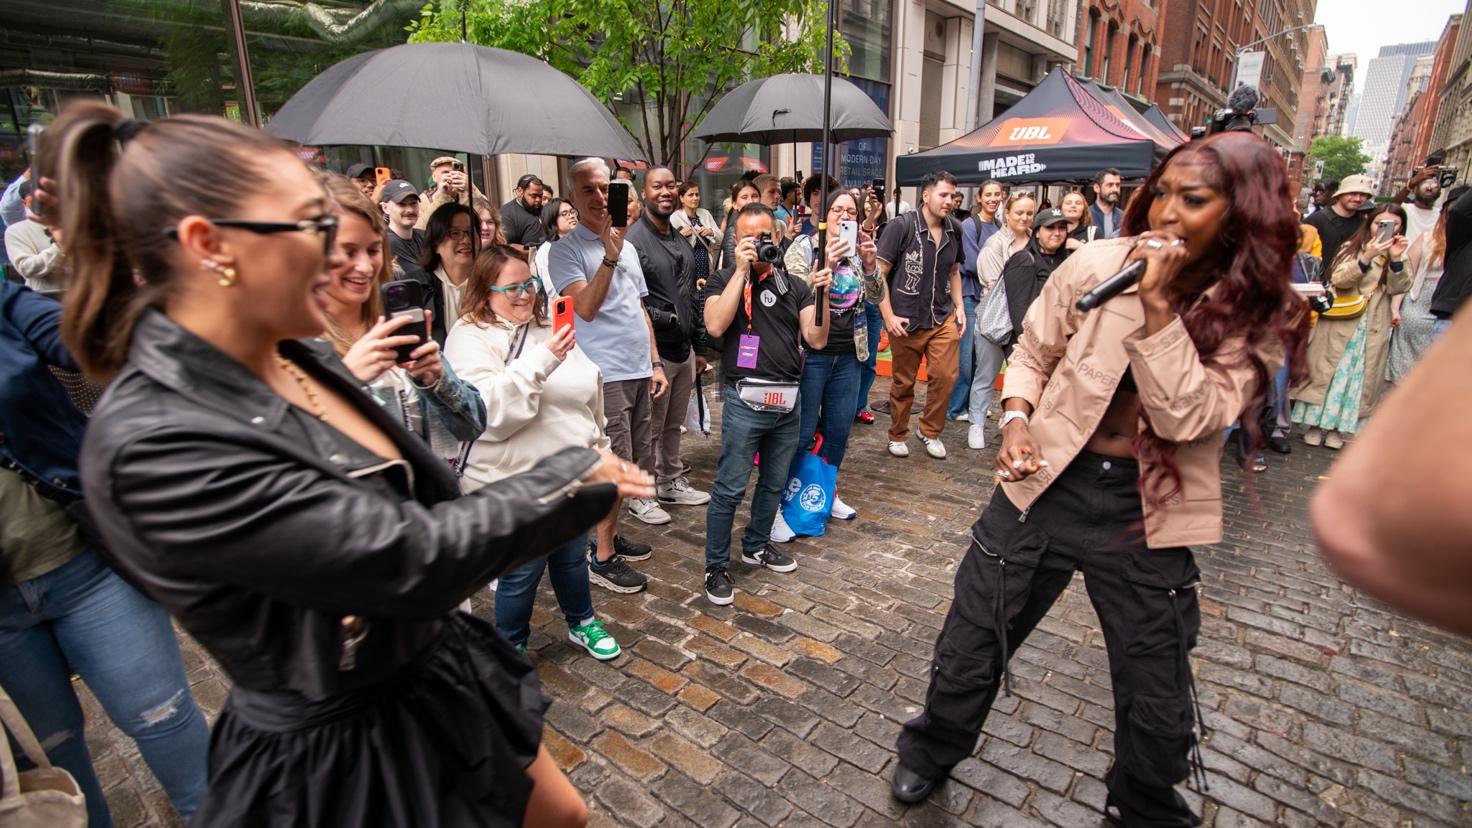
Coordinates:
[1032,133]
[772,398]
[1021,132]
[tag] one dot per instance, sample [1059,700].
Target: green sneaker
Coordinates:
[591,637]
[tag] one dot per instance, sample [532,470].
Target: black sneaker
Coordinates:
[718,586]
[771,557]
[616,575]
[629,550]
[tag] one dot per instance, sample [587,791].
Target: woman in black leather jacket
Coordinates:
[243,480]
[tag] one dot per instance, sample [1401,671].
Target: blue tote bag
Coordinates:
[808,501]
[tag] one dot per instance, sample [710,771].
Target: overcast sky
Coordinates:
[1362,27]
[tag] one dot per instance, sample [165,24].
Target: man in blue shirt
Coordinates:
[600,271]
[974,233]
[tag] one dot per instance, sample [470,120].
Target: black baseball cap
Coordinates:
[397,191]
[1049,217]
[357,170]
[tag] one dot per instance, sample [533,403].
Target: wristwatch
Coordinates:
[1013,415]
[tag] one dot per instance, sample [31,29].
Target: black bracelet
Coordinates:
[610,262]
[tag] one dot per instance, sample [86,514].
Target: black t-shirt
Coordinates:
[1334,230]
[521,225]
[407,251]
[778,325]
[845,304]
[920,271]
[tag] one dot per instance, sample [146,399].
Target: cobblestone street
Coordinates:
[1323,707]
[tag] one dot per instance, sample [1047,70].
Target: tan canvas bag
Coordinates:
[47,797]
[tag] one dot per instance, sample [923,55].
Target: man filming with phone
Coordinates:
[451,185]
[923,311]
[599,270]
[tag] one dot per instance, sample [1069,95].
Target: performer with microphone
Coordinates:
[1111,444]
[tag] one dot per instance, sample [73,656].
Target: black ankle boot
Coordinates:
[909,786]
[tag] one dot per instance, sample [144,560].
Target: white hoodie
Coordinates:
[535,405]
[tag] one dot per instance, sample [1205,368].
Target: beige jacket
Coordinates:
[1068,363]
[1329,338]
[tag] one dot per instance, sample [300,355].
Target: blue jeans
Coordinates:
[123,646]
[869,368]
[516,592]
[830,393]
[961,394]
[745,432]
[1439,327]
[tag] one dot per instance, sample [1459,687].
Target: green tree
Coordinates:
[1341,156]
[673,57]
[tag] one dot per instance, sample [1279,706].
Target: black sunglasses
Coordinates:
[326,226]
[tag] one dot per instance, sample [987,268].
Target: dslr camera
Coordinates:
[766,250]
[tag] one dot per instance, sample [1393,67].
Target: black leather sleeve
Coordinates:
[198,508]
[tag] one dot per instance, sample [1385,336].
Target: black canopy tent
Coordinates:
[1120,107]
[1058,132]
[1154,115]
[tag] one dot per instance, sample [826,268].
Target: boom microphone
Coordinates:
[1111,287]
[1243,99]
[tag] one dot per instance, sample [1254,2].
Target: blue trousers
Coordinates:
[830,396]
[123,646]
[869,368]
[516,591]
[745,432]
[961,394]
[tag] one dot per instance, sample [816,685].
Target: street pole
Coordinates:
[973,114]
[242,57]
[822,217]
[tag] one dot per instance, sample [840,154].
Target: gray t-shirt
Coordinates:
[617,339]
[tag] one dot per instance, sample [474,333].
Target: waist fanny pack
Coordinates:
[1350,306]
[767,395]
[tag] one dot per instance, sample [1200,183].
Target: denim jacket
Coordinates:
[40,428]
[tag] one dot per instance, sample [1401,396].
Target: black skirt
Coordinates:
[447,743]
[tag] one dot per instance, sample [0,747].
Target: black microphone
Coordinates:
[1111,287]
[1243,99]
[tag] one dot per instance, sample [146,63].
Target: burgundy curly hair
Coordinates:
[1257,240]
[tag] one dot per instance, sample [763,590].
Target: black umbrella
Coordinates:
[786,109]
[452,96]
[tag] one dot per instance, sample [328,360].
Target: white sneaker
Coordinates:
[1334,440]
[963,417]
[647,509]
[843,511]
[899,449]
[781,532]
[935,448]
[680,493]
[976,436]
[1314,437]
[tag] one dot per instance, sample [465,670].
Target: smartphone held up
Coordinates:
[405,297]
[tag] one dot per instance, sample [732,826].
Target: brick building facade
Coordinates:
[1119,44]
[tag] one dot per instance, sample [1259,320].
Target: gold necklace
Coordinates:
[301,380]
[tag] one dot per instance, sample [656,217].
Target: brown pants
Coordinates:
[941,348]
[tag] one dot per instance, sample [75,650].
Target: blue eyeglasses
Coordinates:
[515,292]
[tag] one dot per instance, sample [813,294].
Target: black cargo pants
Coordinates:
[1089,520]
